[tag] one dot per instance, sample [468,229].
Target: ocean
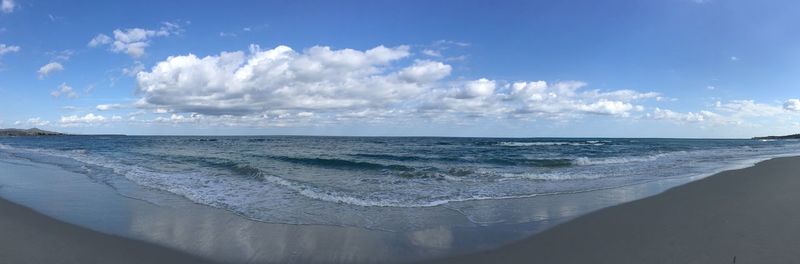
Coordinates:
[385,183]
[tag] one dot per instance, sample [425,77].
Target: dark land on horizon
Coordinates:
[13,132]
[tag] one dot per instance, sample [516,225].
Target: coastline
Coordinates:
[747,215]
[152,221]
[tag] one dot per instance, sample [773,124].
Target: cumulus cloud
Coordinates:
[64,90]
[133,41]
[86,119]
[570,97]
[792,105]
[282,78]
[480,88]
[7,6]
[49,68]
[107,107]
[558,100]
[352,83]
[425,72]
[4,49]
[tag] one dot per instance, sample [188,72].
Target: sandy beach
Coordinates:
[741,216]
[29,237]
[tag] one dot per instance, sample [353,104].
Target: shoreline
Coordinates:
[506,253]
[31,237]
[745,215]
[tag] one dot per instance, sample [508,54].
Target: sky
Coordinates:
[616,68]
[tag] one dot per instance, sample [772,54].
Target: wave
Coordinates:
[585,161]
[416,186]
[342,164]
[531,144]
[495,161]
[227,192]
[547,163]
[389,157]
[553,176]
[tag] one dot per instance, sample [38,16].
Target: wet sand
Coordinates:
[29,237]
[750,215]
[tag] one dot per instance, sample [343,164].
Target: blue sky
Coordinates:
[661,68]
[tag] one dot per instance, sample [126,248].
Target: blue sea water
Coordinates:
[379,182]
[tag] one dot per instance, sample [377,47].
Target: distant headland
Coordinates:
[795,136]
[13,132]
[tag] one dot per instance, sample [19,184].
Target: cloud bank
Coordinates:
[346,82]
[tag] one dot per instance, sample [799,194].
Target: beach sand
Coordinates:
[750,215]
[29,237]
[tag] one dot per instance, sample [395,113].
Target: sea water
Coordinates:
[391,183]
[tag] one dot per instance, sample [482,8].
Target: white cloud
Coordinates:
[49,68]
[37,122]
[605,107]
[425,72]
[7,6]
[353,84]
[749,108]
[568,98]
[480,88]
[100,39]
[133,41]
[86,119]
[64,90]
[227,34]
[133,69]
[735,112]
[690,117]
[734,58]
[438,48]
[432,53]
[4,49]
[792,105]
[106,107]
[560,100]
[281,78]
[444,42]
